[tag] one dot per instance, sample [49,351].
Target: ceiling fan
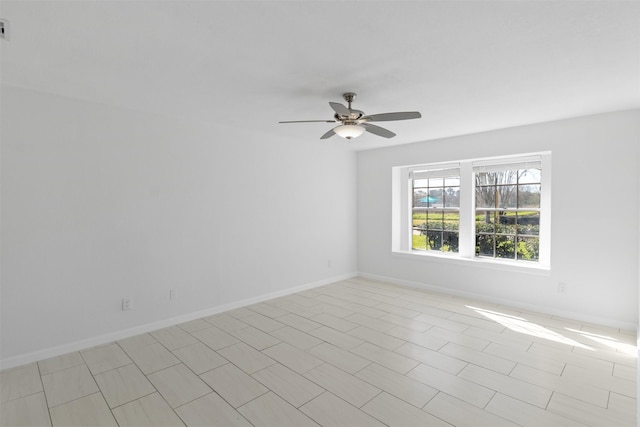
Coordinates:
[354,123]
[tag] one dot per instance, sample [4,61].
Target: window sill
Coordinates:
[503,265]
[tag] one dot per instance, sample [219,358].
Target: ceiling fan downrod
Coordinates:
[349,97]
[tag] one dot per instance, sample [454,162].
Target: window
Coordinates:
[507,215]
[492,209]
[436,210]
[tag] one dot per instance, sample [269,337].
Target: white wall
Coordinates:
[100,203]
[594,225]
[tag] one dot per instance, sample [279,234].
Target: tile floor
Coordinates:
[353,353]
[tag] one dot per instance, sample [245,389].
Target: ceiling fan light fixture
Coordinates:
[349,131]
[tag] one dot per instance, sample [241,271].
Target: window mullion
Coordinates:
[467,211]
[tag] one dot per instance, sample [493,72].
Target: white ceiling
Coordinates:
[467,66]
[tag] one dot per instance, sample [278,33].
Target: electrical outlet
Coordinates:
[172,294]
[127,304]
[328,263]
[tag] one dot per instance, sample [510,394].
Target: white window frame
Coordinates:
[401,228]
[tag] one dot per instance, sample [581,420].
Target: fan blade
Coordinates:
[340,109]
[328,134]
[377,130]
[388,117]
[308,121]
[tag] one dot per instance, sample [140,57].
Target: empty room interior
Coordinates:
[319,213]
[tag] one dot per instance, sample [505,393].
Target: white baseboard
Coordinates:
[596,320]
[35,356]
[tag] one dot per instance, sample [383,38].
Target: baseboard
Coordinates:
[35,356]
[613,323]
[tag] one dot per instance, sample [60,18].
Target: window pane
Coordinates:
[434,220]
[529,176]
[435,240]
[451,220]
[507,196]
[484,222]
[436,182]
[529,223]
[452,197]
[528,248]
[452,182]
[419,240]
[420,183]
[529,196]
[420,197]
[506,177]
[436,197]
[485,178]
[450,241]
[484,245]
[485,197]
[505,247]
[419,217]
[505,222]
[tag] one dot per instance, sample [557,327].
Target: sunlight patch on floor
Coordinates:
[611,342]
[523,326]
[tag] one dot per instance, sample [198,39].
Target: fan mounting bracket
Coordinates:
[349,96]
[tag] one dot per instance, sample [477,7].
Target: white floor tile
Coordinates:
[19,382]
[105,358]
[465,390]
[211,411]
[395,412]
[525,414]
[225,322]
[376,337]
[337,338]
[287,384]
[68,384]
[339,358]
[587,414]
[246,357]
[432,358]
[401,386]
[255,337]
[173,337]
[149,411]
[299,322]
[462,414]
[59,363]
[233,384]
[25,411]
[122,385]
[270,410]
[523,357]
[387,358]
[293,358]
[90,410]
[296,338]
[510,386]
[329,410]
[343,385]
[178,385]
[578,389]
[215,338]
[479,358]
[199,358]
[334,322]
[152,358]
[137,341]
[264,323]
